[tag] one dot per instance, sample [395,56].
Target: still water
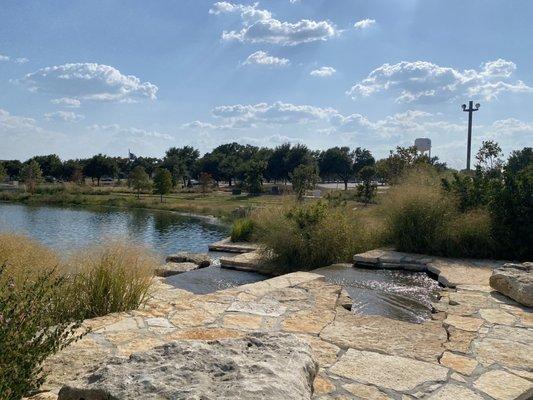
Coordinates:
[67,229]
[395,294]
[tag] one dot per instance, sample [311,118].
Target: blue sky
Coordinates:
[79,77]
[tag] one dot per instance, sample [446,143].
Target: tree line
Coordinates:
[231,163]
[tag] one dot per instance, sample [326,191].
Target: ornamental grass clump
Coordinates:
[112,277]
[242,230]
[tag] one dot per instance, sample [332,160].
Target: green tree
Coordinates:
[139,180]
[162,182]
[519,160]
[362,158]
[276,166]
[99,166]
[254,176]
[303,178]
[205,180]
[337,162]
[366,191]
[12,168]
[3,172]
[31,175]
[489,155]
[51,165]
[181,162]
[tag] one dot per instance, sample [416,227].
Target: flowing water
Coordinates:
[395,294]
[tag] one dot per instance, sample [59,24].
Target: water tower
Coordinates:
[423,145]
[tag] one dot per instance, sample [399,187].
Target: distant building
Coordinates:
[423,145]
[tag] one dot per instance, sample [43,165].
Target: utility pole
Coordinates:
[470,110]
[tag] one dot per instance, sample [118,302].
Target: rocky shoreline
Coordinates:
[477,345]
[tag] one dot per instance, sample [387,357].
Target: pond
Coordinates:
[395,294]
[66,229]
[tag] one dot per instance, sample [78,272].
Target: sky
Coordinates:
[107,76]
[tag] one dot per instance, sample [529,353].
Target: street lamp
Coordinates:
[470,110]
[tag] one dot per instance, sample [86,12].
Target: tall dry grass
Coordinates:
[112,277]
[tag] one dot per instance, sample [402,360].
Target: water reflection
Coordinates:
[400,295]
[66,229]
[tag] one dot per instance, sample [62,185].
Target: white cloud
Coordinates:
[364,23]
[64,116]
[263,58]
[4,58]
[66,102]
[21,60]
[89,81]
[259,26]
[323,72]
[424,81]
[13,124]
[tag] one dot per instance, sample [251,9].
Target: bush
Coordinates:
[29,329]
[242,230]
[467,235]
[111,278]
[415,216]
[308,236]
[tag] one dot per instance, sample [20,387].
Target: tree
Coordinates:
[362,158]
[254,176]
[519,160]
[366,191]
[181,162]
[162,182]
[205,180]
[303,178]
[138,179]
[72,171]
[31,175]
[3,173]
[51,165]
[276,166]
[337,162]
[489,156]
[99,166]
[12,168]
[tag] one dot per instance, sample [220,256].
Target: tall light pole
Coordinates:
[470,110]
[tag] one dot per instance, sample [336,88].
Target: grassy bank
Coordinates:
[219,204]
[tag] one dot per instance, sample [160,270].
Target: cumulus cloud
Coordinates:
[4,58]
[241,115]
[423,81]
[263,58]
[64,116]
[12,124]
[19,60]
[89,81]
[66,102]
[323,72]
[259,26]
[364,23]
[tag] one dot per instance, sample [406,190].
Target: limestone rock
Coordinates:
[174,268]
[391,372]
[515,281]
[455,392]
[201,259]
[376,333]
[502,385]
[458,363]
[257,367]
[366,392]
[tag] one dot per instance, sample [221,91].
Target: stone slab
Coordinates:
[227,246]
[173,268]
[390,372]
[501,385]
[515,281]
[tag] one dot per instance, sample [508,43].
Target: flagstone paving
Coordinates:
[478,345]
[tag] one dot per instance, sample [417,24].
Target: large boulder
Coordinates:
[515,281]
[201,259]
[259,366]
[173,268]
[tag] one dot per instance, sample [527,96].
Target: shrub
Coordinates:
[29,329]
[467,235]
[416,215]
[308,236]
[111,278]
[242,230]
